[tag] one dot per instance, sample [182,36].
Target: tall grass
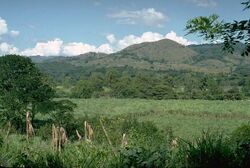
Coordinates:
[195,115]
[148,147]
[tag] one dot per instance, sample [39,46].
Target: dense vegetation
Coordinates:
[114,83]
[146,146]
[141,71]
[195,115]
[139,133]
[118,140]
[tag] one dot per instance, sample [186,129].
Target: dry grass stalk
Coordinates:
[54,137]
[8,129]
[78,135]
[59,137]
[124,141]
[106,134]
[88,132]
[174,143]
[29,128]
[63,136]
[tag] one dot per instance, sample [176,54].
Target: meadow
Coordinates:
[187,118]
[137,133]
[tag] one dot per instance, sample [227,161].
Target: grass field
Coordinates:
[187,118]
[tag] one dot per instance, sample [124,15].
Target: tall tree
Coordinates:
[22,88]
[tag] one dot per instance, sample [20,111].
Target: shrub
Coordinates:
[45,132]
[143,158]
[241,140]
[211,150]
[50,160]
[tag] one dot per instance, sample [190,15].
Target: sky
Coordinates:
[73,27]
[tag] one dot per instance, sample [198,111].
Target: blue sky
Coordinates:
[71,27]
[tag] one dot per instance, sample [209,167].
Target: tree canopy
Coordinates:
[23,88]
[211,28]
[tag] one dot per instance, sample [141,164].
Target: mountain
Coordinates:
[163,55]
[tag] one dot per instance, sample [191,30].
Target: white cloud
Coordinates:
[50,48]
[6,48]
[3,27]
[73,49]
[14,33]
[181,40]
[105,48]
[58,47]
[77,48]
[132,39]
[150,37]
[111,38]
[204,3]
[149,17]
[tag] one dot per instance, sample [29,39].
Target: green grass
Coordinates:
[187,118]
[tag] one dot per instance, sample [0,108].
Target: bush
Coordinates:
[48,161]
[140,157]
[211,150]
[241,141]
[45,132]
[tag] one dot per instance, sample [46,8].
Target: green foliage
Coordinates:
[233,94]
[230,33]
[22,88]
[210,27]
[44,132]
[147,86]
[48,161]
[148,147]
[241,141]
[143,158]
[1,140]
[163,57]
[210,150]
[83,89]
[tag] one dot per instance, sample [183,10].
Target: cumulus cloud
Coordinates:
[57,47]
[204,3]
[3,27]
[105,48]
[111,38]
[14,33]
[149,17]
[6,48]
[181,40]
[150,37]
[77,48]
[5,31]
[72,49]
[132,39]
[49,48]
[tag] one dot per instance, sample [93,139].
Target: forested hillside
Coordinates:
[159,70]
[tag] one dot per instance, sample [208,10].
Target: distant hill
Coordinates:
[163,55]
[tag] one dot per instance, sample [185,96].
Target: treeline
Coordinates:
[113,83]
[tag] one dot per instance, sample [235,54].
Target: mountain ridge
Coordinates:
[163,55]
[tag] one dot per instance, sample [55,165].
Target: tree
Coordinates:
[83,89]
[123,88]
[111,77]
[22,88]
[211,28]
